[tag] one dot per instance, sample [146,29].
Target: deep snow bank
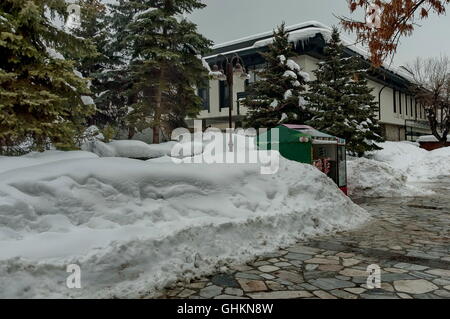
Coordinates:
[139,149]
[16,162]
[399,155]
[372,178]
[133,226]
[435,165]
[397,170]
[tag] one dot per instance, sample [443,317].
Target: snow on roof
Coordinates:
[429,138]
[300,33]
[305,129]
[269,33]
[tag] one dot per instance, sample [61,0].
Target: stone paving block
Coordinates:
[234,291]
[439,272]
[210,291]
[322,261]
[197,285]
[395,270]
[267,276]
[304,250]
[296,256]
[289,276]
[441,282]
[224,280]
[407,266]
[427,296]
[268,268]
[252,285]
[418,286]
[282,264]
[292,294]
[350,262]
[273,285]
[357,291]
[247,276]
[442,293]
[311,266]
[385,278]
[330,267]
[351,272]
[241,267]
[422,275]
[331,283]
[308,286]
[343,294]
[323,294]
[186,293]
[345,255]
[318,274]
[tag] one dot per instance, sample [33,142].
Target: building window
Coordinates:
[224,96]
[411,105]
[420,110]
[395,102]
[203,93]
[406,104]
[415,107]
[400,102]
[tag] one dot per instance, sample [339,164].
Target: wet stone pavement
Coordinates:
[408,238]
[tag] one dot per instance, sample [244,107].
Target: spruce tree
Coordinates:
[163,49]
[107,68]
[277,96]
[340,100]
[42,98]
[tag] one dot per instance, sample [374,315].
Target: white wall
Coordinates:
[309,64]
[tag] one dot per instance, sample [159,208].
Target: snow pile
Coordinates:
[133,226]
[371,178]
[397,170]
[433,166]
[399,155]
[139,150]
[10,163]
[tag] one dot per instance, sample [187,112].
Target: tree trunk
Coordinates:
[157,112]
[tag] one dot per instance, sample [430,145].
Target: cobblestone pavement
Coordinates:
[409,238]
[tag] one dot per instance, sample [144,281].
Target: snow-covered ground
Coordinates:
[397,170]
[133,226]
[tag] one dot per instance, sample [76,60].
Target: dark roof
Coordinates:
[314,47]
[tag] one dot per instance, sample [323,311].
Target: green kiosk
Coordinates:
[305,144]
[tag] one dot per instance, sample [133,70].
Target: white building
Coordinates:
[400,115]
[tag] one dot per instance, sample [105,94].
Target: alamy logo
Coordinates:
[74,279]
[374,278]
[74,18]
[373,16]
[213,147]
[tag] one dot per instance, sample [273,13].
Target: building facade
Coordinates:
[401,116]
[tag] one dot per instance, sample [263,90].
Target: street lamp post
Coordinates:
[228,68]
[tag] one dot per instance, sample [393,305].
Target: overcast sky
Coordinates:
[225,20]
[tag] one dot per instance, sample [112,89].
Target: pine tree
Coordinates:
[277,97]
[163,50]
[340,100]
[42,98]
[106,69]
